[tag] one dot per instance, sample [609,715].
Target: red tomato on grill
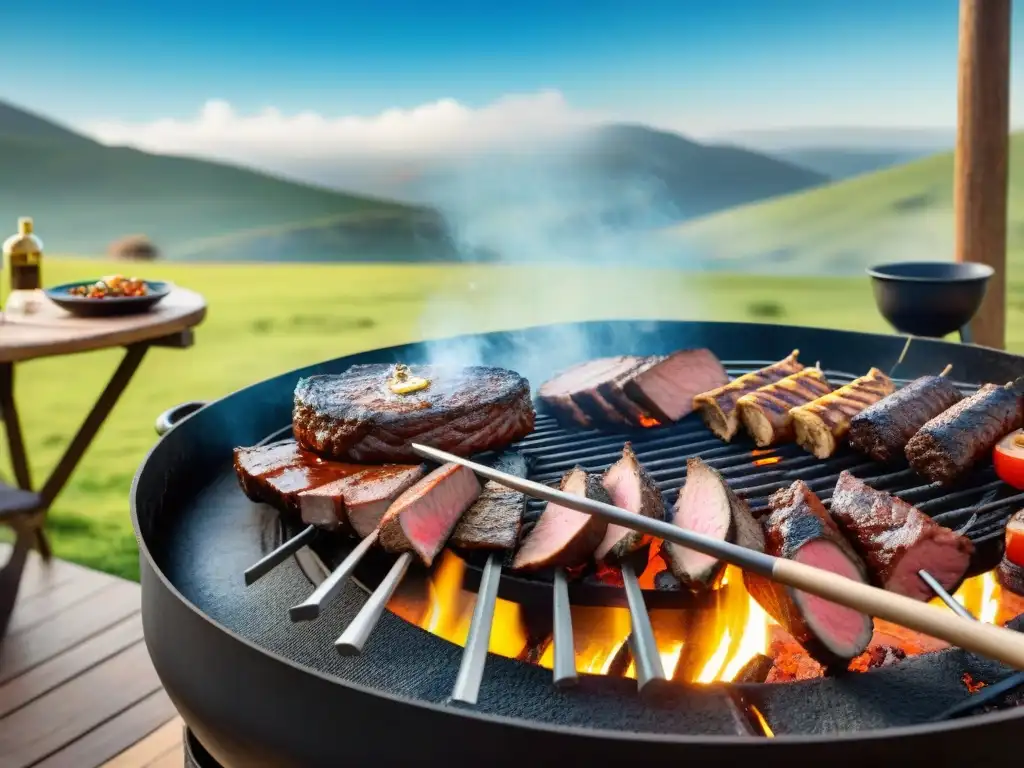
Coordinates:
[1008,459]
[1015,539]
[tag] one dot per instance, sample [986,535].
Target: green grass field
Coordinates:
[264,320]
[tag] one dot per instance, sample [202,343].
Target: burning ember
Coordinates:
[647,422]
[709,644]
[970,684]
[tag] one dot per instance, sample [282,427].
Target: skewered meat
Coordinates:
[707,505]
[632,489]
[821,424]
[423,517]
[883,430]
[666,390]
[955,440]
[276,473]
[496,517]
[372,413]
[357,502]
[896,540]
[718,406]
[562,392]
[765,412]
[799,528]
[564,537]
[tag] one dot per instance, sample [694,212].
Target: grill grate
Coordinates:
[979,505]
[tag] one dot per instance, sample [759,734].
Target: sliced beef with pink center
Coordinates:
[666,390]
[564,537]
[422,518]
[632,489]
[799,528]
[897,540]
[708,506]
[561,393]
[357,502]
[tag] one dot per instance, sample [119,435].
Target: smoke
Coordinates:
[559,211]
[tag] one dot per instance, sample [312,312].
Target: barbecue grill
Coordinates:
[256,688]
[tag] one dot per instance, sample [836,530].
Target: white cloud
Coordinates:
[440,126]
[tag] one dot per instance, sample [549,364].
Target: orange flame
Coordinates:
[765,728]
[767,460]
[647,422]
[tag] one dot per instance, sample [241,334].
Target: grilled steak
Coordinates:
[822,424]
[566,394]
[357,502]
[632,489]
[358,416]
[883,430]
[799,528]
[718,406]
[496,517]
[667,389]
[423,517]
[896,540]
[707,505]
[765,412]
[955,440]
[278,472]
[613,392]
[564,537]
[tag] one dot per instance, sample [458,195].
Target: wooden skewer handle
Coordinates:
[987,640]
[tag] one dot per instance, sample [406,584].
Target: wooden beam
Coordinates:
[982,147]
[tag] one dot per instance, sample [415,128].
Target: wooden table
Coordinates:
[50,332]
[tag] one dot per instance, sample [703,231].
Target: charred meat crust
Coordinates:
[613,391]
[355,416]
[496,517]
[652,505]
[823,423]
[954,441]
[560,393]
[718,406]
[765,412]
[882,431]
[884,528]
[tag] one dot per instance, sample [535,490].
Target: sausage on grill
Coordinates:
[718,406]
[766,411]
[955,440]
[883,430]
[821,425]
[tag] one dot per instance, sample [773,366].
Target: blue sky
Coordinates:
[715,66]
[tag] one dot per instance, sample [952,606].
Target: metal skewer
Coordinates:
[269,562]
[474,655]
[644,647]
[995,642]
[358,631]
[310,608]
[564,667]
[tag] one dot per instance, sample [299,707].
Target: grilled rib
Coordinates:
[718,406]
[766,412]
[821,424]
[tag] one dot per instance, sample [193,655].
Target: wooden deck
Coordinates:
[77,687]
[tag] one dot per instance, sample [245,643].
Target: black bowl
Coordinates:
[929,298]
[107,307]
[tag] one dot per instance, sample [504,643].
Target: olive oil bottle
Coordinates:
[23,255]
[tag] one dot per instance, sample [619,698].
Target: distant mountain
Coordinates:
[843,163]
[83,195]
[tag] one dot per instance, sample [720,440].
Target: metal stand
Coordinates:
[25,510]
[965,334]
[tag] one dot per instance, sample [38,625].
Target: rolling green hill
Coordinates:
[901,213]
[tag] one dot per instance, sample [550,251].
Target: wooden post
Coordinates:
[982,147]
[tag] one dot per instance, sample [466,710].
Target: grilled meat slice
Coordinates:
[707,505]
[560,393]
[765,412]
[357,416]
[718,406]
[667,389]
[896,540]
[423,517]
[799,528]
[954,441]
[822,424]
[632,489]
[357,502]
[882,431]
[496,517]
[613,392]
[278,472]
[564,537]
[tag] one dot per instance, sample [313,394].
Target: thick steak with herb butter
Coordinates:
[372,413]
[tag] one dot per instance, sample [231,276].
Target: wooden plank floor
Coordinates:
[77,688]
